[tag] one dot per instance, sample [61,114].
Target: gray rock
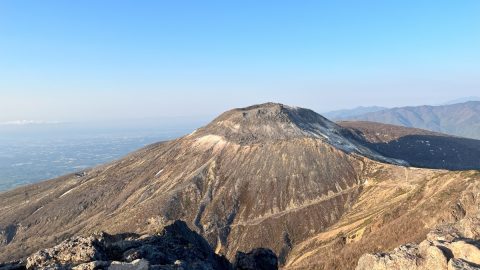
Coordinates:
[466,250]
[403,258]
[442,250]
[139,264]
[72,252]
[92,265]
[457,264]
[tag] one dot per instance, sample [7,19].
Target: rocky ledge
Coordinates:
[449,247]
[175,247]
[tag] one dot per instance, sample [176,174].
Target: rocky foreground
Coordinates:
[175,247]
[452,246]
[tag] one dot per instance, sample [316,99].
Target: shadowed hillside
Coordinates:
[420,148]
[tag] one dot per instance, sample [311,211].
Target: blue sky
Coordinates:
[102,60]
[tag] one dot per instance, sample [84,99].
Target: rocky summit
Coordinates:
[316,193]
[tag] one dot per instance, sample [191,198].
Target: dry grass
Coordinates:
[408,218]
[400,229]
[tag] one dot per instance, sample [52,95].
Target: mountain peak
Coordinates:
[264,113]
[270,122]
[267,121]
[273,113]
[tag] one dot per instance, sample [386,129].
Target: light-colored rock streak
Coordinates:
[65,193]
[40,208]
[158,173]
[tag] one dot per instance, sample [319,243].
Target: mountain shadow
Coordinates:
[420,148]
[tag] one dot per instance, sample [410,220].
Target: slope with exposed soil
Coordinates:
[396,206]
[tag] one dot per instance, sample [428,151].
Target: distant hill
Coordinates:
[461,119]
[461,100]
[344,114]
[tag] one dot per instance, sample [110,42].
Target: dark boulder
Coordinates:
[257,259]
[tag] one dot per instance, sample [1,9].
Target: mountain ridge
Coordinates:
[460,119]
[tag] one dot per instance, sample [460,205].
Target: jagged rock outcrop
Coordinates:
[72,252]
[449,247]
[175,247]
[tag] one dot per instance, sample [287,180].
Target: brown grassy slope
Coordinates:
[394,208]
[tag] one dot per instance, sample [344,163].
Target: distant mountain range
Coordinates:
[461,100]
[459,119]
[345,114]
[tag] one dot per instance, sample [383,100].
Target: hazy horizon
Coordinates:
[187,121]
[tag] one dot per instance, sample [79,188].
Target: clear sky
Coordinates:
[99,60]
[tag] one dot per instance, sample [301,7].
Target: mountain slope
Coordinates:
[263,176]
[396,206]
[462,119]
